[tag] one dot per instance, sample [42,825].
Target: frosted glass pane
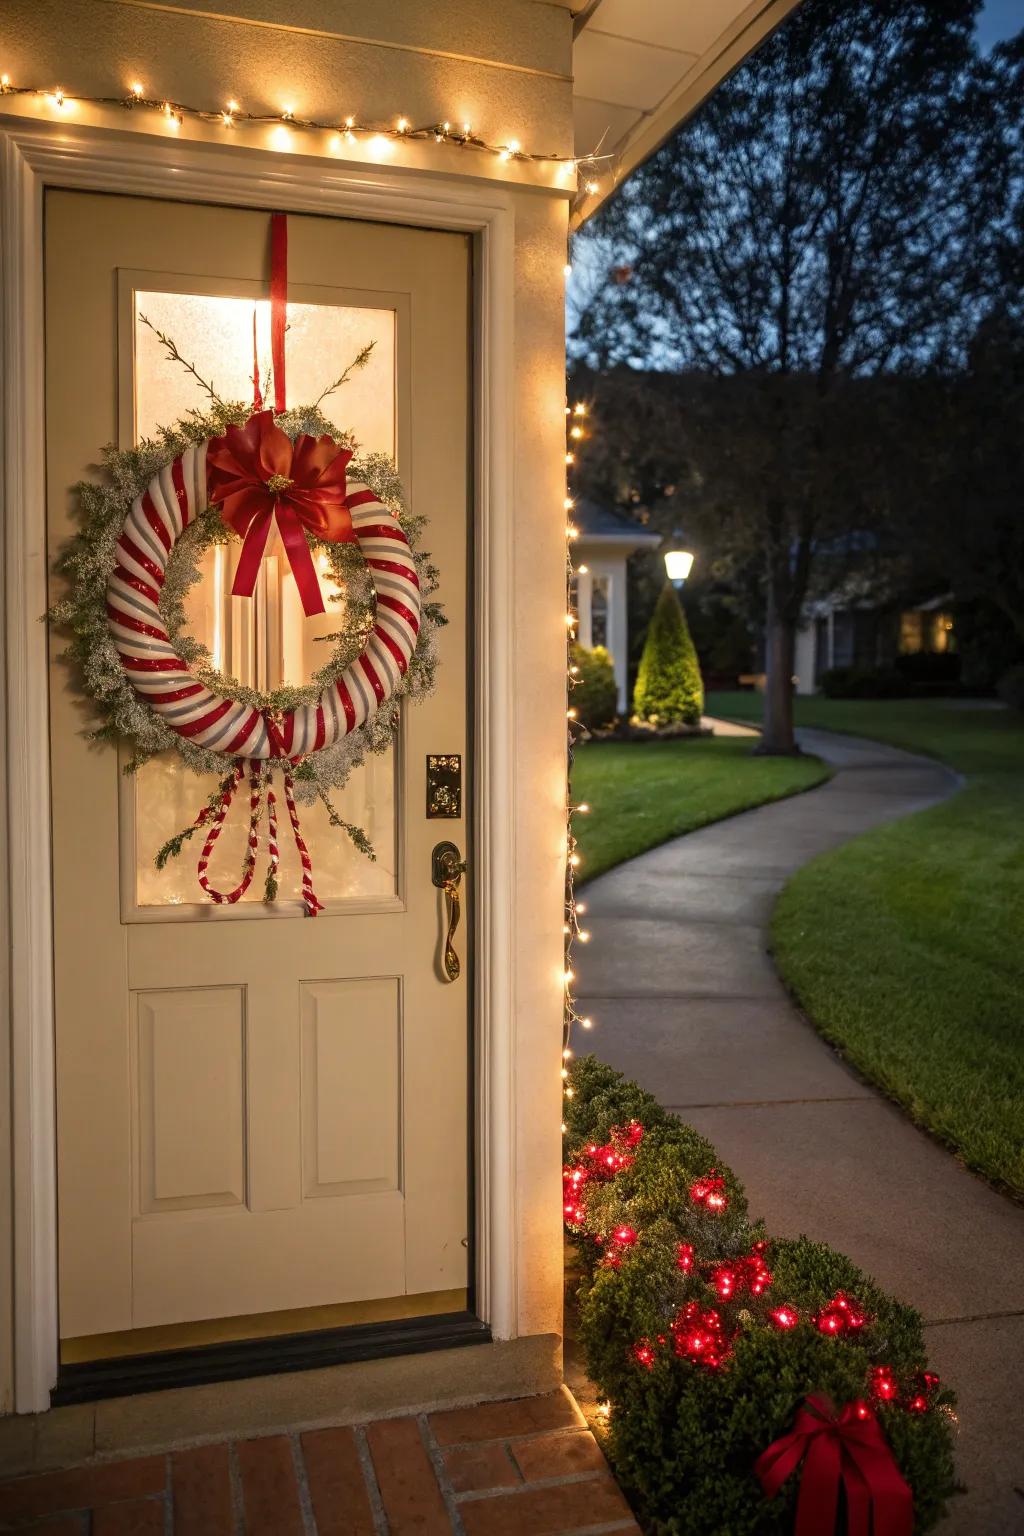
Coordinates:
[266,640]
[168,797]
[215,335]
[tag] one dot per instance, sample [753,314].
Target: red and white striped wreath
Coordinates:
[253,739]
[166,684]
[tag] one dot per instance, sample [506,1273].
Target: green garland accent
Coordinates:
[91,555]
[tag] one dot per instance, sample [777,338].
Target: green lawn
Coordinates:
[643,793]
[906,946]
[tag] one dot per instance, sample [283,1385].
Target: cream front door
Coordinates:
[257,1113]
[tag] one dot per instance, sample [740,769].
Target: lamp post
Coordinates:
[678,560]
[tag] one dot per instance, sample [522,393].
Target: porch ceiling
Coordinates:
[641,66]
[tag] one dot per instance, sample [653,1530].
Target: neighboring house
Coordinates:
[870,636]
[606,541]
[265,1143]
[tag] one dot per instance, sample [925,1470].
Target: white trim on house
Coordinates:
[603,557]
[31,158]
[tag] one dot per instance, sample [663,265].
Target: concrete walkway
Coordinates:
[686,1001]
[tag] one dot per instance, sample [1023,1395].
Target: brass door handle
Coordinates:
[446,871]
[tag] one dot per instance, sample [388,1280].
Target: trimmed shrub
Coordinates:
[594,695]
[684,1435]
[669,690]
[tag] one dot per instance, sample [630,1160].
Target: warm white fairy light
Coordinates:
[574,909]
[567,167]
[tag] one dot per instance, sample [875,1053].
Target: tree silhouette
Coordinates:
[815,224]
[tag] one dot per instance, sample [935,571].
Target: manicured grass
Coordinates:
[905,946]
[643,793]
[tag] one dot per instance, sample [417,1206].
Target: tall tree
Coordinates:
[814,224]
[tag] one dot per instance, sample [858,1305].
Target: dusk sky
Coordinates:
[999,19]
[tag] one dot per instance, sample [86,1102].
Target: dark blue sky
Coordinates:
[999,19]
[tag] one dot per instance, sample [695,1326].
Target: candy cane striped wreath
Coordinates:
[165,683]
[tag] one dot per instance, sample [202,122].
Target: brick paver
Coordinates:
[522,1468]
[337,1485]
[201,1480]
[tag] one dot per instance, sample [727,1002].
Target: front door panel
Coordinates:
[257,1113]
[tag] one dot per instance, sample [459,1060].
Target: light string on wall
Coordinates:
[571,171]
[574,932]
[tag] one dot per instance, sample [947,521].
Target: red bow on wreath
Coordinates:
[847,1448]
[257,475]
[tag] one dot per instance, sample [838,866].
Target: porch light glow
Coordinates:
[678,560]
[678,565]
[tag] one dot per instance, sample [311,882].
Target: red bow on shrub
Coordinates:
[256,474]
[847,1448]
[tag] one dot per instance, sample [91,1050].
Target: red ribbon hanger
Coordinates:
[845,1449]
[278,302]
[258,476]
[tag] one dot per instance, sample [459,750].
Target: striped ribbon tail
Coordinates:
[310,900]
[274,862]
[252,844]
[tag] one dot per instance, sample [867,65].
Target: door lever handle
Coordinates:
[446,871]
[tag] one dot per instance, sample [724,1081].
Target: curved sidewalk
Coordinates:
[686,1000]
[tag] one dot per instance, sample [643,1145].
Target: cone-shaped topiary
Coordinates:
[669,689]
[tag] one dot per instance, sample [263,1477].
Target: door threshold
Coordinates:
[91,1380]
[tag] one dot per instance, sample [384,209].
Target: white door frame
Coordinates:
[33,157]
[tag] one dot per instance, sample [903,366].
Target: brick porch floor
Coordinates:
[523,1468]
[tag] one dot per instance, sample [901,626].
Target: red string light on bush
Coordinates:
[600,1163]
[645,1354]
[883,1384]
[709,1192]
[921,1399]
[684,1257]
[785,1317]
[840,1315]
[699,1335]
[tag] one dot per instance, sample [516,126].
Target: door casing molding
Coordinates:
[33,157]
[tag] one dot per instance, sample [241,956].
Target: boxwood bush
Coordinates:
[594,694]
[683,1436]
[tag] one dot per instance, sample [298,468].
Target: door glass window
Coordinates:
[265,641]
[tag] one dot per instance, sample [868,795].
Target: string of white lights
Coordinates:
[570,170]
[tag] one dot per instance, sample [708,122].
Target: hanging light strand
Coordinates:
[578,172]
[573,930]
